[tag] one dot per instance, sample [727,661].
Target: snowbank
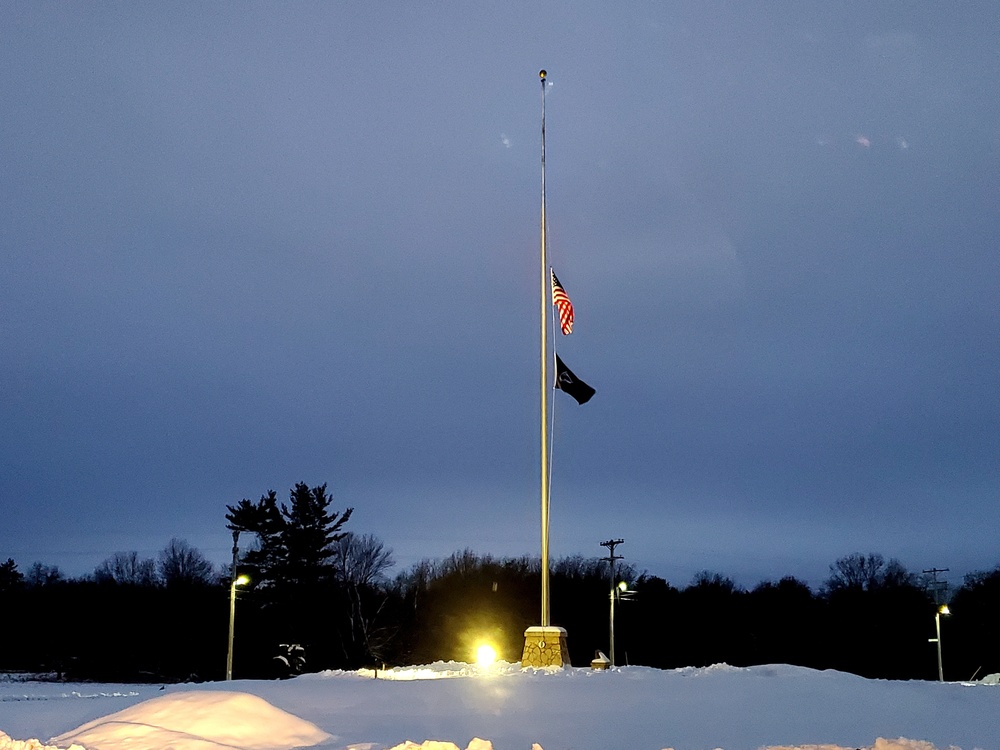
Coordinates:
[456,706]
[197,721]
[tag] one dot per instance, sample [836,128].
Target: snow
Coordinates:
[502,707]
[198,720]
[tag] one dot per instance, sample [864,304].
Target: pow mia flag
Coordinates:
[571,384]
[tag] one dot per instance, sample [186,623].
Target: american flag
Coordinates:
[563,305]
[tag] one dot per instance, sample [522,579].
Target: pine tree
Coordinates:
[310,531]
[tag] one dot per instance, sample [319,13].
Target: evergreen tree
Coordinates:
[11,579]
[263,520]
[308,536]
[294,598]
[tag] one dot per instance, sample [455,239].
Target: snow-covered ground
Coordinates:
[510,709]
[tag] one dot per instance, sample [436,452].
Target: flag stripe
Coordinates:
[561,300]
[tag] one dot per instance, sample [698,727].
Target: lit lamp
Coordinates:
[942,610]
[238,581]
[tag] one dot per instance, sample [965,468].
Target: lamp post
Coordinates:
[614,595]
[611,544]
[942,610]
[237,581]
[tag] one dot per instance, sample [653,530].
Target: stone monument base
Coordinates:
[545,647]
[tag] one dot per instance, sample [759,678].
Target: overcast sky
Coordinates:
[251,244]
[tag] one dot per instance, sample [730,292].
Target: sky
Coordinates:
[454,705]
[248,245]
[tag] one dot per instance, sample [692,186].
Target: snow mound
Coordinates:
[8,743]
[197,720]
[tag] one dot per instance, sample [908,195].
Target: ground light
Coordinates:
[485,655]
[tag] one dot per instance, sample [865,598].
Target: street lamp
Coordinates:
[238,581]
[942,610]
[615,591]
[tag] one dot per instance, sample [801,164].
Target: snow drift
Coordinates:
[197,721]
[451,706]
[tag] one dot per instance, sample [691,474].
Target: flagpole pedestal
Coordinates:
[545,647]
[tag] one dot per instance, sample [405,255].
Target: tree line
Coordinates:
[320,597]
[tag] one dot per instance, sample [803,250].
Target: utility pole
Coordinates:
[611,544]
[937,586]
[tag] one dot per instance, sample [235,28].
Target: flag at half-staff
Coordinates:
[561,301]
[569,383]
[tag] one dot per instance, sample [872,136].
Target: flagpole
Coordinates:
[544,387]
[545,645]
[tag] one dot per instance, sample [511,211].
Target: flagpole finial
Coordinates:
[542,74]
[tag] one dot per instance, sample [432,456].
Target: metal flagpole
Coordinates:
[544,389]
[545,645]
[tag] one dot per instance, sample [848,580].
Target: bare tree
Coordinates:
[868,573]
[361,560]
[711,581]
[127,568]
[360,563]
[181,564]
[43,575]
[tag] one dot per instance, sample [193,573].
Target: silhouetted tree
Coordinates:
[971,646]
[11,579]
[857,571]
[295,542]
[308,536]
[877,618]
[371,621]
[651,634]
[294,597]
[127,569]
[264,521]
[785,622]
[180,564]
[40,575]
[711,620]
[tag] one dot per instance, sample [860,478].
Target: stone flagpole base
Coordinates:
[545,647]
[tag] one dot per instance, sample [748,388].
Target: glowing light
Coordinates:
[242,581]
[486,654]
[944,610]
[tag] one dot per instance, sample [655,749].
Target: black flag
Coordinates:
[571,384]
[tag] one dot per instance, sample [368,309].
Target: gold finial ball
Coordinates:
[542,74]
